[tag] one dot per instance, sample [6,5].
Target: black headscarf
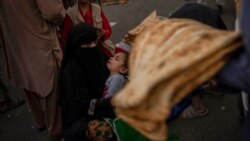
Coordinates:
[200,13]
[82,78]
[78,35]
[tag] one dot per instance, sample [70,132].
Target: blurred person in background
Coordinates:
[219,4]
[33,56]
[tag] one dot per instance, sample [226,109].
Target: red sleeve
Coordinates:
[68,24]
[106,26]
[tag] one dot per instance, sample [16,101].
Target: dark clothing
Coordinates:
[4,97]
[236,73]
[207,16]
[200,13]
[82,79]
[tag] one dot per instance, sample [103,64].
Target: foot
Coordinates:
[212,90]
[9,105]
[190,112]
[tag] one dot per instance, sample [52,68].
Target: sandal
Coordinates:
[190,112]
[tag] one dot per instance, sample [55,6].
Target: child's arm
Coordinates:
[116,84]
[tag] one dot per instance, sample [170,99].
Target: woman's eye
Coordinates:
[84,45]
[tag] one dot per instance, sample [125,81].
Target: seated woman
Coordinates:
[82,80]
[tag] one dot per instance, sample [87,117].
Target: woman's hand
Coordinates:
[100,33]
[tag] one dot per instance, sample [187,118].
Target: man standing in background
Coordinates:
[33,56]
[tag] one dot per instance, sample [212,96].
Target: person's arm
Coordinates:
[68,24]
[106,27]
[95,72]
[236,72]
[103,108]
[52,10]
[116,84]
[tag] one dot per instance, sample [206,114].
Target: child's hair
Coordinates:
[126,60]
[124,48]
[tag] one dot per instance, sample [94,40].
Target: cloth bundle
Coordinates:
[166,63]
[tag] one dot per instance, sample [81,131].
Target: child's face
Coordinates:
[116,63]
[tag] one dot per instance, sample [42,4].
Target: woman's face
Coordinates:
[89,45]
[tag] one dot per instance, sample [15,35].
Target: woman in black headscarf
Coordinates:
[82,80]
[201,13]
[208,16]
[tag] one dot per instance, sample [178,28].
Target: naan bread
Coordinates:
[167,62]
[149,21]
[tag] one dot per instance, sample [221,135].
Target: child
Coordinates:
[118,68]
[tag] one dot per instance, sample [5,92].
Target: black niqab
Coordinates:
[82,78]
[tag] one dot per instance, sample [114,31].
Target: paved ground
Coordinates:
[222,123]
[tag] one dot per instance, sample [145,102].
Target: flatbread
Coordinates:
[149,21]
[167,62]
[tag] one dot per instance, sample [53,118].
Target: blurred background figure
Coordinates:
[219,4]
[6,103]
[33,54]
[68,3]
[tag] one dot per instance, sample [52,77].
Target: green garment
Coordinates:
[124,132]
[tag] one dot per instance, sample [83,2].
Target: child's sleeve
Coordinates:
[116,85]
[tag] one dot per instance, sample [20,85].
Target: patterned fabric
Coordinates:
[99,131]
[113,2]
[92,107]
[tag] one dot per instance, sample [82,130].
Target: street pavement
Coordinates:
[221,124]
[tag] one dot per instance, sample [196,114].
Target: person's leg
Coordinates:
[197,107]
[35,105]
[52,109]
[212,88]
[53,115]
[198,104]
